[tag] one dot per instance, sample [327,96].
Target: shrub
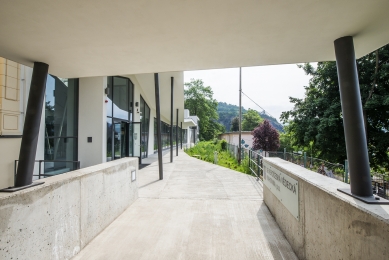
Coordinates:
[223,144]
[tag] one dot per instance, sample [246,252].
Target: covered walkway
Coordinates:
[199,211]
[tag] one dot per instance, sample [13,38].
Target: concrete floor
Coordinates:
[199,211]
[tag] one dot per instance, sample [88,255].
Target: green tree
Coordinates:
[235,124]
[200,102]
[317,118]
[251,120]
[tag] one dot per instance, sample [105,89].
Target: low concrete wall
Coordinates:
[331,225]
[57,219]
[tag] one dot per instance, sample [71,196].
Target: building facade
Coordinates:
[86,121]
[233,138]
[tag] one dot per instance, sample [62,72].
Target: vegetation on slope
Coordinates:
[205,151]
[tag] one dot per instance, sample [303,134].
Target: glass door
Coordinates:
[117,140]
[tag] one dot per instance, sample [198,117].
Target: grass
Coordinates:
[205,151]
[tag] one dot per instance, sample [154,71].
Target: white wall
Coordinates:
[92,121]
[233,138]
[10,147]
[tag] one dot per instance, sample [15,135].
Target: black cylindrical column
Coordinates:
[171,119]
[177,133]
[158,115]
[354,129]
[31,125]
[181,135]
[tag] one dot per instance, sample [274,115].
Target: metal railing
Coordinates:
[333,170]
[255,164]
[380,182]
[254,159]
[41,175]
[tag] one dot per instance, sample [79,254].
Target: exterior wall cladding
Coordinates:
[15,82]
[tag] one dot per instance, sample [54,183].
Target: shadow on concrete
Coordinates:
[276,240]
[148,184]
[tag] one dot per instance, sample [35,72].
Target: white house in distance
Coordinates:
[191,126]
[233,138]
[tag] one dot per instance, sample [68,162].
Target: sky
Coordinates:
[269,86]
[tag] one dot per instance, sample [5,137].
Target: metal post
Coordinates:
[249,159]
[181,135]
[305,159]
[177,133]
[259,165]
[285,154]
[346,171]
[171,118]
[32,122]
[158,115]
[354,129]
[240,115]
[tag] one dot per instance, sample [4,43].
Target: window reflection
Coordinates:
[61,124]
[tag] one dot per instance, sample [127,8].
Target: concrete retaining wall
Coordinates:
[57,219]
[332,225]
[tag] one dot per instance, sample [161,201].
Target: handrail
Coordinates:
[78,166]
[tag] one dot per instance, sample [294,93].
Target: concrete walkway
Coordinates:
[199,211]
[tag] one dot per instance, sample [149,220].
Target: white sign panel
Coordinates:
[285,188]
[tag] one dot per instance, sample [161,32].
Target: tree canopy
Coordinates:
[251,120]
[200,102]
[266,137]
[234,124]
[317,118]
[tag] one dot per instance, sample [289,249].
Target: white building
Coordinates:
[91,120]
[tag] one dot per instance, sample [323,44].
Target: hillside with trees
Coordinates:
[227,112]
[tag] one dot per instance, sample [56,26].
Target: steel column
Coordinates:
[177,133]
[181,135]
[240,116]
[158,115]
[354,129]
[32,122]
[171,118]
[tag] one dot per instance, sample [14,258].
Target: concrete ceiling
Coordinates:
[97,38]
[146,82]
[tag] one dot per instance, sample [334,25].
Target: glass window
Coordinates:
[109,139]
[61,124]
[119,116]
[120,98]
[145,120]
[109,96]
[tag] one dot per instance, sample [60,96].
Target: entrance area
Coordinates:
[123,139]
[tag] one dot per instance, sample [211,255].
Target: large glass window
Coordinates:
[145,120]
[165,135]
[61,125]
[120,97]
[119,116]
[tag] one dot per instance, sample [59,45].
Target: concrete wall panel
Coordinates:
[57,219]
[332,225]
